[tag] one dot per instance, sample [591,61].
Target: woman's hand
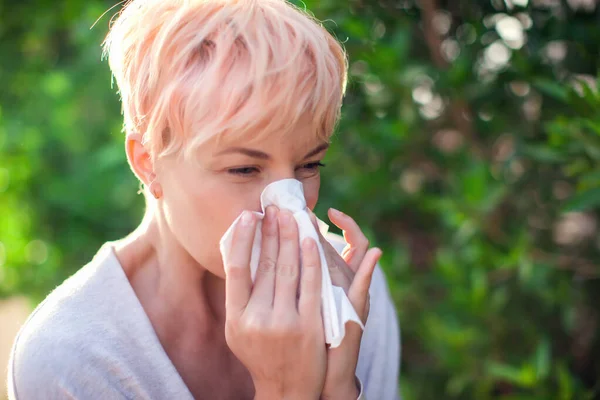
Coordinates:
[352,271]
[277,335]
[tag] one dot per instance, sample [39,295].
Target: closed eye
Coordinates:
[251,171]
[309,170]
[313,165]
[243,171]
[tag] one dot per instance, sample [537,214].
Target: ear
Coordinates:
[139,158]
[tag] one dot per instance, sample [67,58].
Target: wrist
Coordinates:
[349,390]
[274,392]
[267,392]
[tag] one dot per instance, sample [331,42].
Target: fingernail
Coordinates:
[337,213]
[380,253]
[246,218]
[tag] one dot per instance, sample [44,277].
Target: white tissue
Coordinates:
[288,194]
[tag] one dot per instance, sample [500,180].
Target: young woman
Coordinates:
[220,98]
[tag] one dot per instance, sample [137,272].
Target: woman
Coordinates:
[220,98]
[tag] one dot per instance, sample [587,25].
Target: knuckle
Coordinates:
[310,260]
[311,328]
[286,327]
[255,326]
[287,270]
[231,326]
[266,266]
[364,242]
[288,233]
[311,331]
[311,277]
[235,270]
[310,268]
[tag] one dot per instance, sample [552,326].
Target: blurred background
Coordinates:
[468,151]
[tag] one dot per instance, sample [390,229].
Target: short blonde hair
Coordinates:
[188,70]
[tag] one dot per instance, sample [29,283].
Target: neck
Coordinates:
[162,271]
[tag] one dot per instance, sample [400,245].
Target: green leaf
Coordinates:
[565,383]
[523,377]
[504,371]
[588,93]
[591,178]
[542,153]
[592,125]
[542,359]
[552,89]
[583,201]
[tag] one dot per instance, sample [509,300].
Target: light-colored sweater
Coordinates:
[91,339]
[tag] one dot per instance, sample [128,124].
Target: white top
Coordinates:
[91,339]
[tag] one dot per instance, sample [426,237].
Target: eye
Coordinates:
[243,171]
[313,165]
[309,170]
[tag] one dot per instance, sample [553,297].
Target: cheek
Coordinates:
[311,191]
[198,217]
[220,207]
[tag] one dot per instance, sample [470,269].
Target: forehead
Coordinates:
[299,138]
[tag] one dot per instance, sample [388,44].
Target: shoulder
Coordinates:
[62,340]
[76,306]
[90,338]
[49,360]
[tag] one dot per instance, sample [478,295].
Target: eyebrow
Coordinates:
[316,150]
[264,156]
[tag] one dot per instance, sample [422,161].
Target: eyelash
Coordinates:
[247,171]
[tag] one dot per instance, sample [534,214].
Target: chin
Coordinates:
[213,266]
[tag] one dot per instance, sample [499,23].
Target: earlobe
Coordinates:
[155,187]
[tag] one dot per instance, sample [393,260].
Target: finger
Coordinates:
[339,271]
[238,283]
[358,244]
[309,304]
[287,268]
[359,290]
[264,283]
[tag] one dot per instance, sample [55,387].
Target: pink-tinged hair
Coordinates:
[189,70]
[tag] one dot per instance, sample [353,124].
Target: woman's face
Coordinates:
[200,201]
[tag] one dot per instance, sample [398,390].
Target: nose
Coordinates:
[280,174]
[276,175]
[253,196]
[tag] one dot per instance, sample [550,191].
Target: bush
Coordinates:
[468,151]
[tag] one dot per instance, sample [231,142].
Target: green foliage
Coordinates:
[468,151]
